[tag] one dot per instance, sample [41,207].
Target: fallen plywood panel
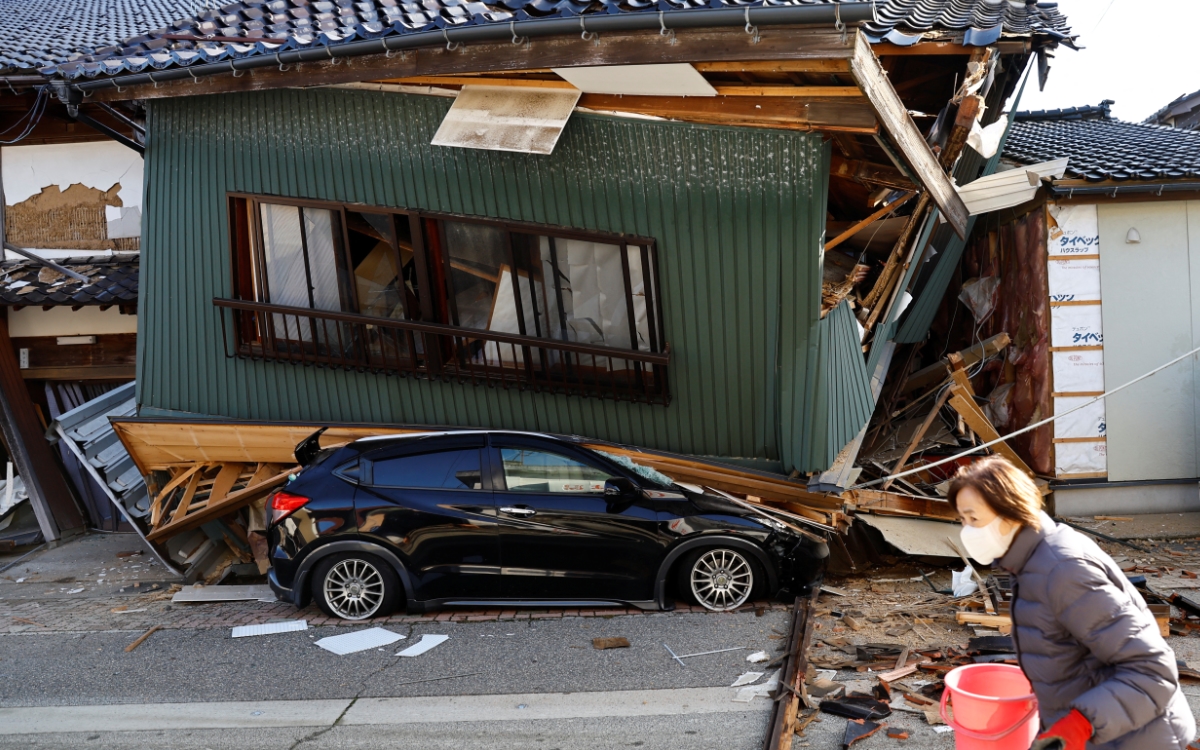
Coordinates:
[913,536]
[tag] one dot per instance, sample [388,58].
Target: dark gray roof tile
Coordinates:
[112,280]
[1101,148]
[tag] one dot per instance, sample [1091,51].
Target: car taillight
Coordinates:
[284,504]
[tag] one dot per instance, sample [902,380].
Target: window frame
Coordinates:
[430,278]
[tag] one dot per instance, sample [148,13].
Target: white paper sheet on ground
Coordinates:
[360,640]
[1080,458]
[270,628]
[747,678]
[1078,372]
[1073,279]
[224,594]
[1076,325]
[427,642]
[1077,233]
[758,657]
[1087,422]
[963,582]
[762,690]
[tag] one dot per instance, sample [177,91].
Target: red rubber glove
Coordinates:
[1071,732]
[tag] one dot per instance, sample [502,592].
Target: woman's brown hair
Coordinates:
[1006,489]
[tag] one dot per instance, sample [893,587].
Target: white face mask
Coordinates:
[987,543]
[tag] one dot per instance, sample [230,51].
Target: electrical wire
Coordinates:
[34,116]
[1031,427]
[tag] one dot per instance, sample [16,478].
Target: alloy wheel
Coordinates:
[721,579]
[354,589]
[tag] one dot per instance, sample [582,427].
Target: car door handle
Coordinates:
[518,511]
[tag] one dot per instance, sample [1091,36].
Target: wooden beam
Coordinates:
[856,228]
[776,66]
[25,437]
[892,503]
[845,116]
[964,404]
[867,172]
[916,439]
[624,48]
[904,133]
[814,93]
[233,501]
[940,370]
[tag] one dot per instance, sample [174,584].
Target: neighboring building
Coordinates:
[1099,284]
[1183,113]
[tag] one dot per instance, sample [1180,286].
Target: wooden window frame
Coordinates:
[434,324]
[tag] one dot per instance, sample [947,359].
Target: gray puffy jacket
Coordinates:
[1086,640]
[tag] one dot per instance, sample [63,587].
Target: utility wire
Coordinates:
[1023,430]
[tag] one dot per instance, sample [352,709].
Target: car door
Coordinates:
[431,500]
[559,536]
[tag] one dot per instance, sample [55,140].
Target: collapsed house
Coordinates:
[694,234]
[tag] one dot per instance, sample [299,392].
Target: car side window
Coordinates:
[450,470]
[533,470]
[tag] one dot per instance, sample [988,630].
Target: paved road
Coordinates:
[582,698]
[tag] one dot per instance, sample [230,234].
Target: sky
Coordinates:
[1139,53]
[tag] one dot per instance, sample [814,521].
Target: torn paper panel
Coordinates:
[1073,279]
[1076,325]
[1087,422]
[1078,371]
[1080,458]
[1074,230]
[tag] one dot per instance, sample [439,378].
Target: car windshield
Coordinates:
[662,481]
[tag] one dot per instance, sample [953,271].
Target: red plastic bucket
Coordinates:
[994,707]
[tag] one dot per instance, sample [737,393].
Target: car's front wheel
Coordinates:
[718,578]
[355,586]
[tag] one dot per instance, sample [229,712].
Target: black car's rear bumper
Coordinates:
[282,593]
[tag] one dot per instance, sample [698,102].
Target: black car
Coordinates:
[512,519]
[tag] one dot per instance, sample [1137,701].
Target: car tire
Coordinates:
[355,586]
[719,578]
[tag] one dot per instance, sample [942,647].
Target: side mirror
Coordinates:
[620,489]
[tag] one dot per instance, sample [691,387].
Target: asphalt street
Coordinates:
[576,696]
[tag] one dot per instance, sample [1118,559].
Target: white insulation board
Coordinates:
[1078,372]
[1080,458]
[427,642]
[915,536]
[1087,422]
[359,640]
[507,118]
[1072,279]
[270,628]
[1077,233]
[194,593]
[1076,325]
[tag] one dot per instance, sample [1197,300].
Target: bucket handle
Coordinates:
[980,735]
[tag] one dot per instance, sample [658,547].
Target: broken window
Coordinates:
[489,289]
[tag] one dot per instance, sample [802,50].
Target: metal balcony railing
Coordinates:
[350,341]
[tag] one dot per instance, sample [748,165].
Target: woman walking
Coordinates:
[1104,677]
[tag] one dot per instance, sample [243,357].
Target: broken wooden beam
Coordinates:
[918,436]
[859,226]
[939,371]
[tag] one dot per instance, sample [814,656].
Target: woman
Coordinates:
[1104,677]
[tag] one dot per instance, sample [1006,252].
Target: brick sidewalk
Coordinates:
[92,615]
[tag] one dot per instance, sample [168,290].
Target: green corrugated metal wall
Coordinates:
[737,215]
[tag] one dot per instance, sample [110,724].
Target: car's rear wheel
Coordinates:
[355,586]
[718,578]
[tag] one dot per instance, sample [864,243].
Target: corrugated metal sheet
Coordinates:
[845,383]
[737,215]
[88,434]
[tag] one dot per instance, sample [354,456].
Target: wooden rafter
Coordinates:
[218,500]
[903,132]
